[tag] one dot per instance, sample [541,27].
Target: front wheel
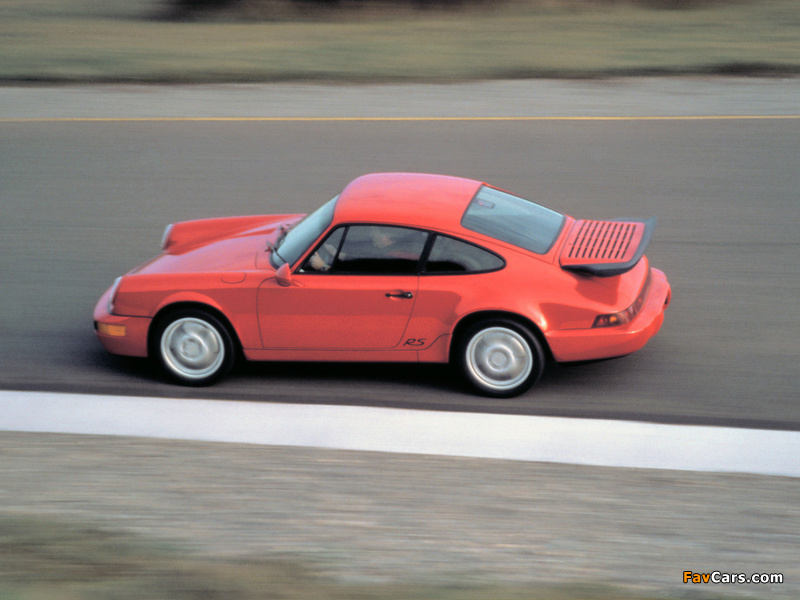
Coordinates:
[194,348]
[500,358]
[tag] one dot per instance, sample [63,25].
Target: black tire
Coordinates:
[500,357]
[193,347]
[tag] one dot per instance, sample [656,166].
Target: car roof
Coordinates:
[413,199]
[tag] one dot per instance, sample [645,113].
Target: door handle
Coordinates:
[399,295]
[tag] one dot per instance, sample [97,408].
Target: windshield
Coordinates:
[300,237]
[514,220]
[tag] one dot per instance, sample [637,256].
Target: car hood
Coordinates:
[216,245]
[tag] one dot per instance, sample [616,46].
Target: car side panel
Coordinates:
[443,300]
[336,312]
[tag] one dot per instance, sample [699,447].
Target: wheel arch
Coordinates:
[469,320]
[165,311]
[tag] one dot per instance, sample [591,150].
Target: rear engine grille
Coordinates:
[608,241]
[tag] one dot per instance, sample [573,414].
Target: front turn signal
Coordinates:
[112,330]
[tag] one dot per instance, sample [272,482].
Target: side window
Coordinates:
[450,255]
[380,250]
[323,257]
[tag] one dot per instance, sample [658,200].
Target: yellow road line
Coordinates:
[388,119]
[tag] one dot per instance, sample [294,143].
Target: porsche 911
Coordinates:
[398,267]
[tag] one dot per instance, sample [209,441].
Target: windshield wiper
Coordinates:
[274,247]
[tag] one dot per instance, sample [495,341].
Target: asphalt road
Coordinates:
[83,201]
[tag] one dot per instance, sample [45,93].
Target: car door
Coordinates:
[355,291]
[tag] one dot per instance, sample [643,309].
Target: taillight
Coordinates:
[620,318]
[624,316]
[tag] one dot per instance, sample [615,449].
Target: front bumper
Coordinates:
[120,335]
[607,342]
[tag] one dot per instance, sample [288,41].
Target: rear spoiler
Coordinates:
[606,248]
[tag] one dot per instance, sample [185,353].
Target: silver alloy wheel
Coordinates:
[499,358]
[192,348]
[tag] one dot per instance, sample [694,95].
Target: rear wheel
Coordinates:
[500,357]
[194,347]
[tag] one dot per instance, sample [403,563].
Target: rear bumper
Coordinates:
[120,335]
[607,342]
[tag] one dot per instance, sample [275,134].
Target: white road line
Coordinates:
[527,438]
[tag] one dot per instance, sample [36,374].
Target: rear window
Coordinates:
[512,219]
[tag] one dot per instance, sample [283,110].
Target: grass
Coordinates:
[42,558]
[122,41]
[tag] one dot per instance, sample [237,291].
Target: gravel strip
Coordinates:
[373,517]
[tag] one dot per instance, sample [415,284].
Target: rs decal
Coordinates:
[415,342]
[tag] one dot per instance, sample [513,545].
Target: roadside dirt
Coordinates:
[371,517]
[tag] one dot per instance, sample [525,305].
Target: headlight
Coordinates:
[165,237]
[113,296]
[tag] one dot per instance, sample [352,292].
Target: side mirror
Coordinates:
[284,275]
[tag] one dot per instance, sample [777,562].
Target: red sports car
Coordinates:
[398,267]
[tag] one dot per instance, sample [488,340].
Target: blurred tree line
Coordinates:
[267,8]
[265,5]
[221,4]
